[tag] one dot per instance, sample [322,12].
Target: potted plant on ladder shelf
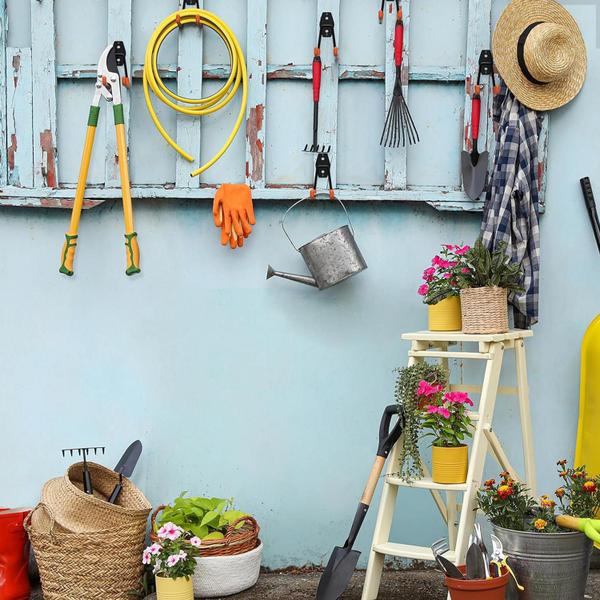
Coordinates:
[446,419]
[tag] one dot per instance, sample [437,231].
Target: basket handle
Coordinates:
[155,514]
[27,521]
[231,529]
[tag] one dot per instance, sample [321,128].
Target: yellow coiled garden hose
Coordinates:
[196,107]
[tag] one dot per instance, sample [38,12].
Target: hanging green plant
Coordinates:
[407,384]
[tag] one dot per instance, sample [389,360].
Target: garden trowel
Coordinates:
[125,468]
[341,565]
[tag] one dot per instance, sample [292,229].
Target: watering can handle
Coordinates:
[304,200]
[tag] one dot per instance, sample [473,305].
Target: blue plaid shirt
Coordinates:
[511,212]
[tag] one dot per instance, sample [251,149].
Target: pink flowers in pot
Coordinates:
[441,278]
[445,415]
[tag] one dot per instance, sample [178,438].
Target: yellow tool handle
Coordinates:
[68,251]
[591,527]
[131,243]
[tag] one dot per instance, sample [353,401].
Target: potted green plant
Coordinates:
[485,283]
[551,563]
[441,290]
[229,552]
[411,406]
[172,559]
[445,418]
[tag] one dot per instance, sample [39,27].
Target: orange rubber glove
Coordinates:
[233,212]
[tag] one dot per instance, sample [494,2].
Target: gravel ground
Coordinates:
[416,585]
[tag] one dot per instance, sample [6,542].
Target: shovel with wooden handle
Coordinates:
[341,565]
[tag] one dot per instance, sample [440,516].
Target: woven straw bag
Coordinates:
[236,541]
[103,565]
[78,512]
[484,310]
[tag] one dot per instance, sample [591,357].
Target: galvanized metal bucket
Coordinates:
[550,566]
[331,258]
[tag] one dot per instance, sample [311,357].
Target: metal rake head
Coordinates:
[84,451]
[440,547]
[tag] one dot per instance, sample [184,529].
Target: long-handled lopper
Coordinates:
[108,86]
[343,560]
[326,30]
[474,166]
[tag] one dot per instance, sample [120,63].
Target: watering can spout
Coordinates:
[305,279]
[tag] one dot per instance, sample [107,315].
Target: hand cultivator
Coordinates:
[108,86]
[399,126]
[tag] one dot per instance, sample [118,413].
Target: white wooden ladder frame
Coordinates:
[426,345]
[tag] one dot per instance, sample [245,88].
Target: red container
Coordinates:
[478,589]
[14,555]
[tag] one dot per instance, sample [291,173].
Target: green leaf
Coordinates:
[210,517]
[199,531]
[215,535]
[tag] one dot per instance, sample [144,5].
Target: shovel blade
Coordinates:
[337,574]
[128,461]
[474,177]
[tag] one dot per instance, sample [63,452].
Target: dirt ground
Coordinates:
[413,585]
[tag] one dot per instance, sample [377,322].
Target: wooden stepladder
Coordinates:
[460,519]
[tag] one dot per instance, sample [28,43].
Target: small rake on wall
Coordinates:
[399,128]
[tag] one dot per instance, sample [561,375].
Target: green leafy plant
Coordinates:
[579,495]
[485,268]
[205,518]
[411,405]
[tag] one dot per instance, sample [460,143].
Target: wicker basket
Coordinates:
[236,541]
[484,310]
[103,565]
[78,512]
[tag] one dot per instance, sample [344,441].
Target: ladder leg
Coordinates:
[452,516]
[479,448]
[525,410]
[383,525]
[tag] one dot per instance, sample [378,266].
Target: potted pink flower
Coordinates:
[446,419]
[173,559]
[441,290]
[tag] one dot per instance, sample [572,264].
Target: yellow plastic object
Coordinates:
[445,315]
[181,588]
[192,106]
[588,441]
[449,465]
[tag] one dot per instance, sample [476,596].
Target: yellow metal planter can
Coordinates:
[445,315]
[174,589]
[449,465]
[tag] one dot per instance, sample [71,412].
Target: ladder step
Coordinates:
[408,551]
[427,484]
[446,354]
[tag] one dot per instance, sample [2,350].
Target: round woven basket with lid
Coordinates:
[484,310]
[77,512]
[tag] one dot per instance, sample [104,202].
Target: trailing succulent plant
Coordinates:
[407,384]
[485,268]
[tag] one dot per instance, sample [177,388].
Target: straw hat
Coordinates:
[540,53]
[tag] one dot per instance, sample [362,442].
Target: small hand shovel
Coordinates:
[475,165]
[341,565]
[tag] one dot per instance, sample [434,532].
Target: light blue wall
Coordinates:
[265,391]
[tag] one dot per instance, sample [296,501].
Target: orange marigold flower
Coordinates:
[504,491]
[546,502]
[562,463]
[563,473]
[560,492]
[504,474]
[579,475]
[489,483]
[590,487]
[540,524]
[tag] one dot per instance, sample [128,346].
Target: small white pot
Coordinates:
[217,576]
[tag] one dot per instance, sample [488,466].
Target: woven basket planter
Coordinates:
[77,512]
[484,310]
[236,541]
[102,565]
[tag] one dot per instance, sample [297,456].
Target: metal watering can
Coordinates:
[331,258]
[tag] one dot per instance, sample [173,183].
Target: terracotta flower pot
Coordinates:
[449,465]
[445,315]
[478,589]
[174,589]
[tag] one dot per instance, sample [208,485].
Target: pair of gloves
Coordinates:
[233,212]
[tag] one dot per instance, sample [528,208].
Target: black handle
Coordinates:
[117,491]
[588,194]
[361,513]
[87,482]
[388,438]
